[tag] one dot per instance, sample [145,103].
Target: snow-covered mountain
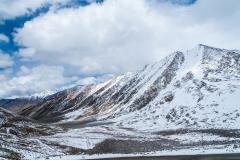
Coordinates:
[197,88]
[40,95]
[18,104]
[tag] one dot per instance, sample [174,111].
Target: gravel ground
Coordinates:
[134,146]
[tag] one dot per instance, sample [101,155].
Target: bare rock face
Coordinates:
[16,105]
[169,97]
[189,76]
[180,90]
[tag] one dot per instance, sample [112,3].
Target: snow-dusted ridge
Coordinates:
[18,104]
[40,95]
[47,94]
[197,88]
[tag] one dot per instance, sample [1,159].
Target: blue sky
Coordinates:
[9,25]
[48,45]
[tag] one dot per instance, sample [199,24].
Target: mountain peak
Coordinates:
[166,94]
[209,47]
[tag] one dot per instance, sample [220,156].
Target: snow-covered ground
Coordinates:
[82,143]
[86,138]
[180,152]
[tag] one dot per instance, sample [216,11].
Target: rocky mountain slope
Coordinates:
[197,88]
[17,135]
[18,104]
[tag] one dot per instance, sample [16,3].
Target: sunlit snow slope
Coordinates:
[198,88]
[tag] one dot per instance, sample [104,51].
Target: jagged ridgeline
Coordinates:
[197,88]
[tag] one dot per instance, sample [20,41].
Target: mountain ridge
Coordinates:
[174,92]
[17,105]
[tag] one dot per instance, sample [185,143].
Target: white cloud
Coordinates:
[24,71]
[93,80]
[104,78]
[39,79]
[121,35]
[9,9]
[6,71]
[4,38]
[27,52]
[5,60]
[86,81]
[2,78]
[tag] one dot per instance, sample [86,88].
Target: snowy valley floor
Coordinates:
[109,140]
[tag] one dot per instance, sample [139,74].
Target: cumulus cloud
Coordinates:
[6,71]
[2,78]
[104,78]
[95,80]
[23,71]
[5,60]
[27,52]
[9,9]
[117,36]
[38,79]
[86,81]
[4,38]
